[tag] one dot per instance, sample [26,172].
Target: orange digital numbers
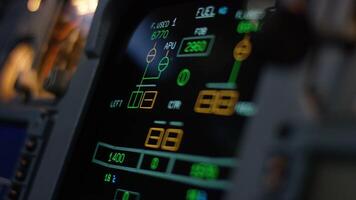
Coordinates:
[172,139]
[159,138]
[218,102]
[148,99]
[154,138]
[205,101]
[225,102]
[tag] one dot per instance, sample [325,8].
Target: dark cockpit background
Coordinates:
[194,100]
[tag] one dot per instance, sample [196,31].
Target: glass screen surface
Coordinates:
[12,138]
[166,118]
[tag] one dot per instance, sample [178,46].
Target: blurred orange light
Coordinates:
[18,61]
[33,5]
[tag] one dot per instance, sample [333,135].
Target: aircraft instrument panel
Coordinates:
[166,116]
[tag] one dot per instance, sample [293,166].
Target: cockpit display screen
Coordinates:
[166,117]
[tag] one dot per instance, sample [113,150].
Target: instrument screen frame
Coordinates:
[108,23]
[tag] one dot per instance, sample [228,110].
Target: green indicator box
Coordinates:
[204,171]
[178,166]
[154,163]
[201,170]
[194,194]
[121,194]
[247,27]
[200,46]
[116,157]
[135,99]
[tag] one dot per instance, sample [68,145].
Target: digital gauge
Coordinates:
[167,114]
